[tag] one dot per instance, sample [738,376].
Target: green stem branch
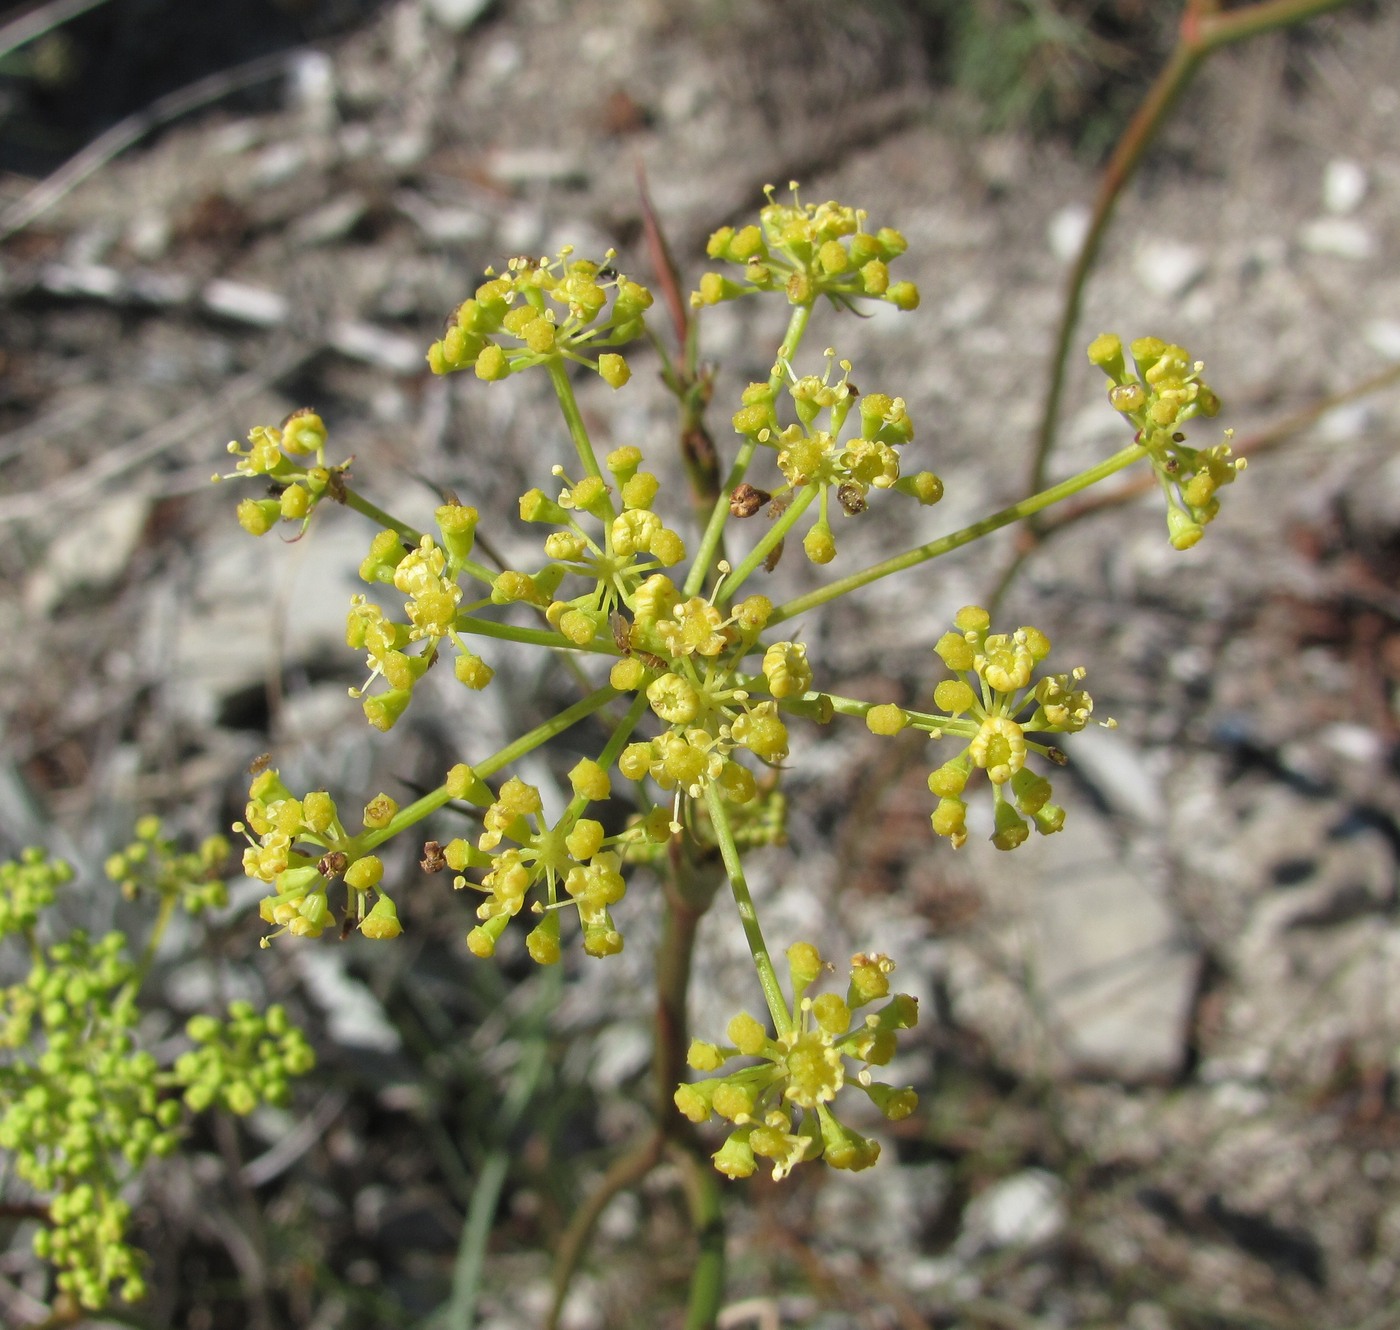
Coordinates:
[923,553]
[714,529]
[415,812]
[573,417]
[748,915]
[776,533]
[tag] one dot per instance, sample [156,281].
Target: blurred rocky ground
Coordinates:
[1159,1062]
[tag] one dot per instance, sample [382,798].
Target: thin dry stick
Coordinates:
[134,128]
[28,27]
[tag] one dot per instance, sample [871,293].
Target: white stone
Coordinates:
[1067,230]
[455,15]
[1118,770]
[111,532]
[1383,335]
[354,1016]
[1024,1210]
[1344,184]
[1168,268]
[1338,236]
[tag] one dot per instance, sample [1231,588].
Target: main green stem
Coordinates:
[714,529]
[573,417]
[748,915]
[923,553]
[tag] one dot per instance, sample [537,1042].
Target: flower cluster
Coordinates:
[293,460]
[1165,392]
[153,862]
[545,310]
[805,251]
[244,1061]
[28,886]
[780,1104]
[300,846]
[83,1106]
[82,1109]
[572,861]
[995,703]
[428,574]
[816,462]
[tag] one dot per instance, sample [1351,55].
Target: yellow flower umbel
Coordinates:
[299,847]
[781,1104]
[293,459]
[1167,391]
[996,704]
[537,311]
[808,250]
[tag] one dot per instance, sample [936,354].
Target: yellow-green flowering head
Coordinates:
[541,311]
[808,251]
[1158,396]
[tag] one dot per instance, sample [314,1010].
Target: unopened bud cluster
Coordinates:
[83,1105]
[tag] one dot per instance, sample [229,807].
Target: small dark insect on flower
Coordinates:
[607,273]
[259,764]
[771,562]
[622,635]
[851,499]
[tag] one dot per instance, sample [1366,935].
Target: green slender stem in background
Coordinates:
[573,417]
[486,1195]
[923,553]
[748,916]
[707,1219]
[1202,32]
[625,1172]
[714,531]
[775,534]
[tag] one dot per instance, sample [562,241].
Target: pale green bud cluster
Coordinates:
[806,251]
[83,1106]
[1163,394]
[153,863]
[28,886]
[538,311]
[780,1104]
[246,1060]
